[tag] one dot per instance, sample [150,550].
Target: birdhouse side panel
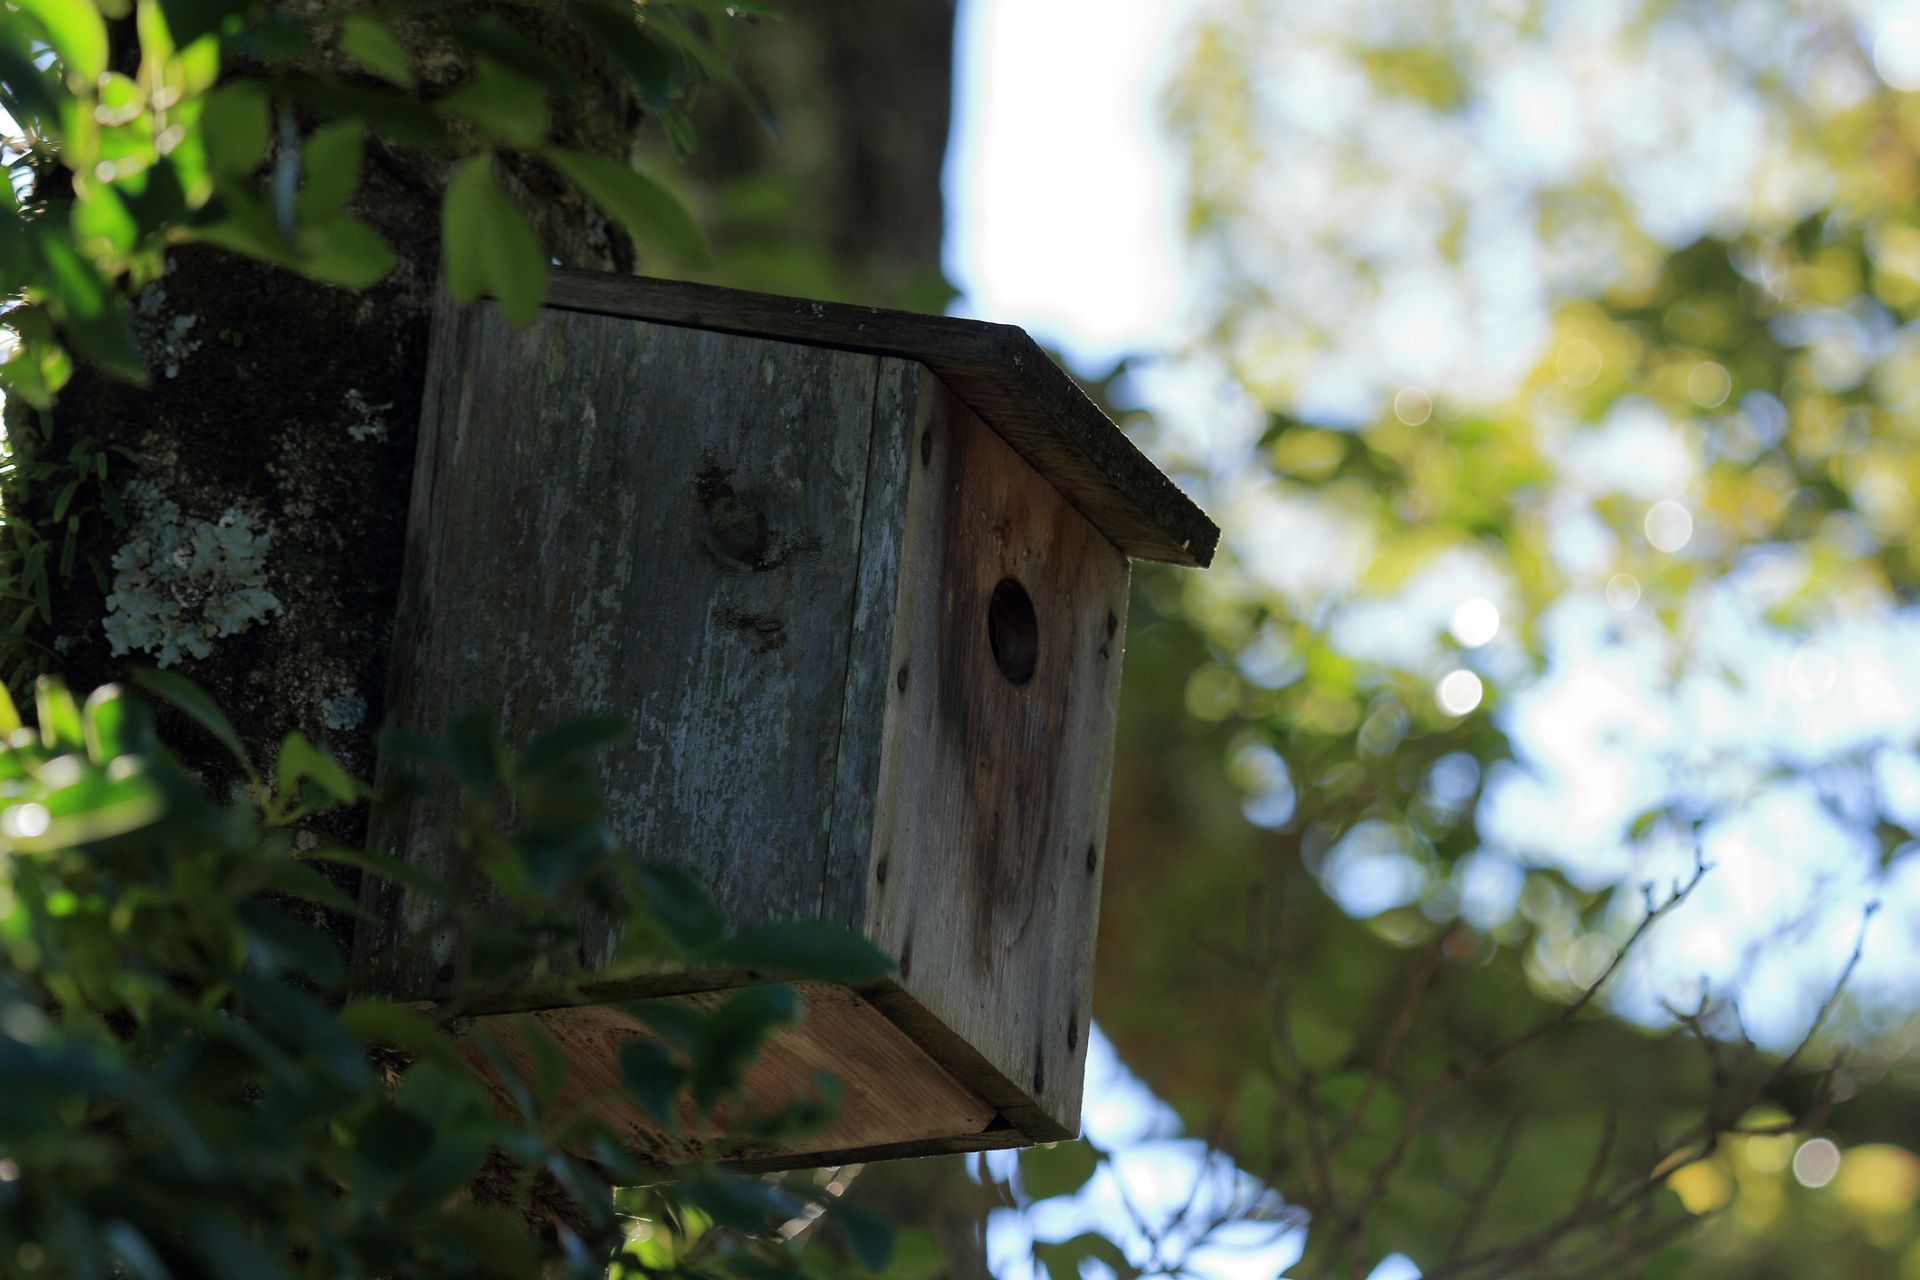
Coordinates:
[990,813]
[662,522]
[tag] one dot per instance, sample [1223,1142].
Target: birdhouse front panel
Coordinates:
[1008,610]
[648,519]
[869,640]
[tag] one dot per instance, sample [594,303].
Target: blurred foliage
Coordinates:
[131,128]
[149,124]
[186,1090]
[1538,340]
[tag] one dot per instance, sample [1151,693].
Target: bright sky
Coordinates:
[1064,202]
[1065,216]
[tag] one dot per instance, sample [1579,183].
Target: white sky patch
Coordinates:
[1065,213]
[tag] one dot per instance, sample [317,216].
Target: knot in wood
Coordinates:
[735,525]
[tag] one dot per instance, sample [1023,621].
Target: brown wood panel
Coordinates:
[898,1099]
[650,519]
[991,798]
[997,369]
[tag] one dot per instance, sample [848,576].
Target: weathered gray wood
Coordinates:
[654,520]
[992,796]
[899,408]
[782,560]
[997,369]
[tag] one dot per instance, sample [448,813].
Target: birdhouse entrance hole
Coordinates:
[1012,631]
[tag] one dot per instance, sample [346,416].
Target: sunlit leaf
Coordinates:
[488,246]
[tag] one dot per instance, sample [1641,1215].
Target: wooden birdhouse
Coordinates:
[860,580]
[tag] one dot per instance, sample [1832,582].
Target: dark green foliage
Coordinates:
[185,1091]
[173,145]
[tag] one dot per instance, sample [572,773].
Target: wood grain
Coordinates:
[896,1096]
[652,520]
[780,558]
[1000,372]
[991,796]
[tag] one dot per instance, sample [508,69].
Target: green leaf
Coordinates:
[25,92]
[156,40]
[9,713]
[572,741]
[189,20]
[230,1254]
[369,42]
[61,728]
[741,1203]
[494,38]
[92,314]
[507,105]
[234,122]
[381,1024]
[190,699]
[109,717]
[417,879]
[296,879]
[345,252]
[652,1077]
[733,1036]
[300,760]
[654,216]
[77,33]
[330,166]
[134,1252]
[869,1236]
[1057,1170]
[101,225]
[805,949]
[617,34]
[489,248]
[393,1140]
[680,904]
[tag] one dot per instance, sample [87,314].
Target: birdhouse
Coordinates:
[859,578]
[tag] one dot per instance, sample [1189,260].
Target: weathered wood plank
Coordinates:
[895,1094]
[992,793]
[997,369]
[899,408]
[648,519]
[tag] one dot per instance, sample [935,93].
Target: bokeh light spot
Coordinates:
[1896,54]
[26,821]
[1702,1187]
[1669,525]
[1811,674]
[1879,1179]
[1412,406]
[1623,591]
[1709,384]
[1577,362]
[1475,621]
[1816,1162]
[1458,692]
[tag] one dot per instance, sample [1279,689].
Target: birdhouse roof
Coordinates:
[999,371]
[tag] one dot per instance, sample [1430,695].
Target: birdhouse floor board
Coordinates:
[898,1099]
